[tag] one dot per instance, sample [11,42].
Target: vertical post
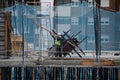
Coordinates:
[97,29]
[23,53]
[76,73]
[22,73]
[118,73]
[44,73]
[87,74]
[0,73]
[10,73]
[54,70]
[33,75]
[6,38]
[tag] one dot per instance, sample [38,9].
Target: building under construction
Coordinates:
[31,47]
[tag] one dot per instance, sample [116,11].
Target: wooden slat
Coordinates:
[6,38]
[33,73]
[0,74]
[102,62]
[54,72]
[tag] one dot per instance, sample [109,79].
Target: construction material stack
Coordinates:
[4,35]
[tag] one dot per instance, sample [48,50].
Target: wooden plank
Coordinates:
[6,38]
[54,73]
[0,74]
[102,62]
[33,73]
[44,74]
[114,6]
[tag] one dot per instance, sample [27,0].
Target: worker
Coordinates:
[58,44]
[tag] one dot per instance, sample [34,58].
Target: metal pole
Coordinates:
[97,29]
[23,53]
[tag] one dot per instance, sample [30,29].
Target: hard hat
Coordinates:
[59,34]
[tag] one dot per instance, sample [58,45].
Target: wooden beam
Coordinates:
[118,5]
[6,38]
[61,2]
[114,5]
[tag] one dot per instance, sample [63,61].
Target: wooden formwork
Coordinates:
[101,62]
[5,30]
[59,73]
[16,44]
[5,73]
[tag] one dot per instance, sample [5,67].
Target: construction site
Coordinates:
[59,40]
